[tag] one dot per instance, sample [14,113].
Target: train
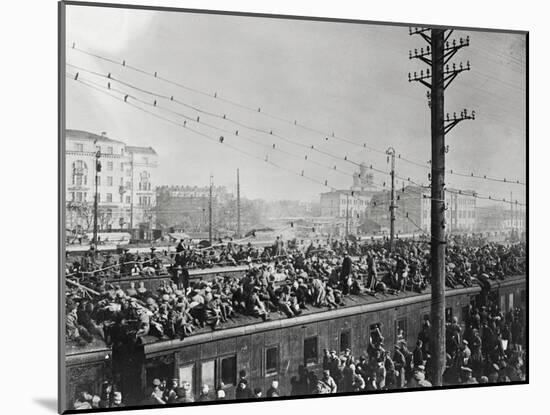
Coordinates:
[274,349]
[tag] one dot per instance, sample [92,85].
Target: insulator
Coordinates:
[421,51]
[461,41]
[124,63]
[108,85]
[273,145]
[454,115]
[312,147]
[76,76]
[215,95]
[428,72]
[410,54]
[172,98]
[326,138]
[460,65]
[415,52]
[237,132]
[155,74]
[305,157]
[414,75]
[155,103]
[224,116]
[259,109]
[271,132]
[125,98]
[198,118]
[302,172]
[421,73]
[184,123]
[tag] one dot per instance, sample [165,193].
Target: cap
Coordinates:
[156,382]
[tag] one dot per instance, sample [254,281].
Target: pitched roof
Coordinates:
[86,135]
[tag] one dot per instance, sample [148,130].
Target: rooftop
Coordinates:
[141,150]
[86,135]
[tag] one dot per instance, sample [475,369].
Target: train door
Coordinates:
[127,366]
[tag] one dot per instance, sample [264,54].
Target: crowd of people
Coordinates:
[486,348]
[284,285]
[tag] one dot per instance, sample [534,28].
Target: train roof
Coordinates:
[244,324]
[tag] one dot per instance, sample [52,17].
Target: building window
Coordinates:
[79,196]
[98,180]
[128,199]
[99,198]
[109,197]
[110,165]
[310,350]
[109,180]
[228,372]
[146,160]
[186,375]
[345,340]
[109,150]
[272,360]
[144,183]
[80,173]
[121,166]
[79,147]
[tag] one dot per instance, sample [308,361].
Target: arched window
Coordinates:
[144,183]
[80,173]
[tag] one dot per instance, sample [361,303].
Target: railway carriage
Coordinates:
[275,349]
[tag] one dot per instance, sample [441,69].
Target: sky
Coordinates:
[341,78]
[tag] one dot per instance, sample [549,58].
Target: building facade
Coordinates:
[413,210]
[125,187]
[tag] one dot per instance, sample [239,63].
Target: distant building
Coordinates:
[500,218]
[413,212]
[352,202]
[126,183]
[187,207]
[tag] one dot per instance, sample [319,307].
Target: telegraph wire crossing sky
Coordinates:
[350,79]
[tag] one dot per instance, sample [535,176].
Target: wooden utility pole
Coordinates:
[210,211]
[238,205]
[391,153]
[437,251]
[96,196]
[437,56]
[347,215]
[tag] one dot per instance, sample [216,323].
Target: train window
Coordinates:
[310,350]
[345,340]
[503,302]
[229,370]
[272,360]
[376,333]
[186,375]
[208,374]
[510,301]
[522,296]
[401,329]
[449,314]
